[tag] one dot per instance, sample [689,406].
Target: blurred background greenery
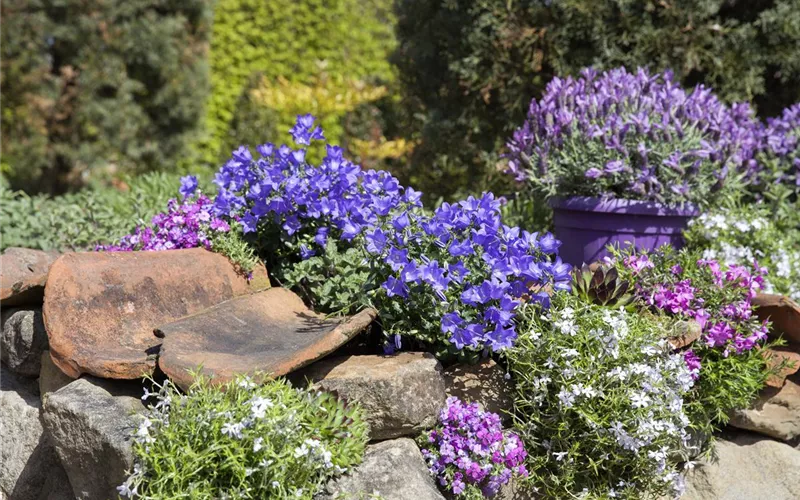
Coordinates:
[105,103]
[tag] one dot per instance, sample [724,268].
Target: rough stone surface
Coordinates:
[394,469]
[401,395]
[749,467]
[270,332]
[776,412]
[51,378]
[513,490]
[100,308]
[484,383]
[23,273]
[23,340]
[57,486]
[90,423]
[26,454]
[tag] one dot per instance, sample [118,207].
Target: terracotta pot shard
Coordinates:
[100,308]
[270,333]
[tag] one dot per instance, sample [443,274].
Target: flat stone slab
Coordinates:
[401,395]
[23,273]
[786,358]
[270,332]
[100,308]
[748,467]
[776,412]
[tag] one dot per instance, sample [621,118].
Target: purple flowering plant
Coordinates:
[779,157]
[717,296]
[450,279]
[633,135]
[189,223]
[726,361]
[469,453]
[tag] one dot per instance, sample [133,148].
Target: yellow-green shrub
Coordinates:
[285,49]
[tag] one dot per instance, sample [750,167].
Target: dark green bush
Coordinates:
[89,85]
[473,66]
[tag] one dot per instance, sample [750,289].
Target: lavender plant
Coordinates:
[779,156]
[599,401]
[633,135]
[469,453]
[243,441]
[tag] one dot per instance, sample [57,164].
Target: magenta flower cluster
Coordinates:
[632,135]
[719,300]
[469,450]
[187,224]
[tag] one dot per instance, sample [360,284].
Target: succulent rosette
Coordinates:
[635,136]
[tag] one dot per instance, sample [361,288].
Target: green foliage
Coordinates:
[284,49]
[335,282]
[471,67]
[748,234]
[726,383]
[115,85]
[79,221]
[244,440]
[598,401]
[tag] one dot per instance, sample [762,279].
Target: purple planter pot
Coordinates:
[585,225]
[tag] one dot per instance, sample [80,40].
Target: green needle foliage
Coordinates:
[243,441]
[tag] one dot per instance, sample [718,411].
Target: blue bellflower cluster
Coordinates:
[633,135]
[473,269]
[470,269]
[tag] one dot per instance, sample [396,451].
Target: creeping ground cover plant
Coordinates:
[451,279]
[633,135]
[245,441]
[743,235]
[726,361]
[599,401]
[469,453]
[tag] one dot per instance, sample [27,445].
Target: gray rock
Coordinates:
[51,378]
[391,470]
[26,455]
[57,486]
[749,467]
[514,490]
[483,383]
[776,413]
[23,340]
[90,422]
[401,394]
